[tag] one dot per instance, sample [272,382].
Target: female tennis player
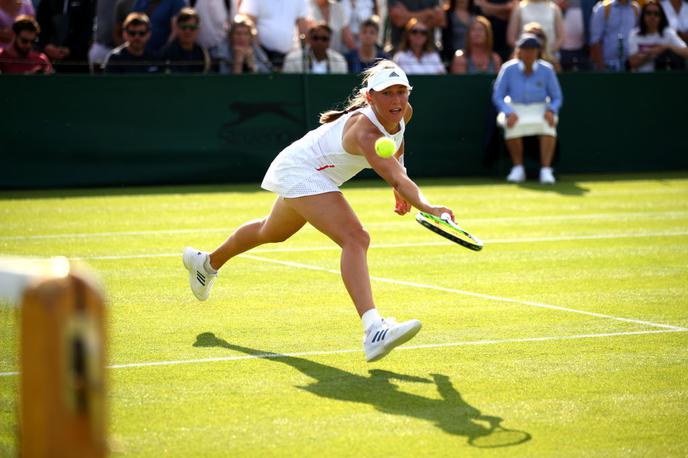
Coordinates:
[306,177]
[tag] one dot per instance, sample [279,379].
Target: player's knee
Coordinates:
[358,238]
[270,233]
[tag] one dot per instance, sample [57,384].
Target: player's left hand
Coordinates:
[401,206]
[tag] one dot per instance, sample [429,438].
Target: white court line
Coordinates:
[472,294]
[470,221]
[406,347]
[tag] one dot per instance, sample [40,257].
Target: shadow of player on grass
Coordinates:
[450,413]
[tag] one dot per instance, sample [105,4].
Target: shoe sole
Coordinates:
[392,344]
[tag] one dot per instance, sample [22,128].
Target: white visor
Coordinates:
[386,78]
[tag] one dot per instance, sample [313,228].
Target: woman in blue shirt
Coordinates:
[535,100]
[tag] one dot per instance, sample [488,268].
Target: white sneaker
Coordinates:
[517,174]
[546,176]
[383,337]
[199,278]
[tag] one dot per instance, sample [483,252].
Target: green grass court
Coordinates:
[566,336]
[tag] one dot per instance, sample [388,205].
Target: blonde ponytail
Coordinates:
[357,99]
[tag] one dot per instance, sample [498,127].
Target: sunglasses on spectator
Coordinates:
[137,33]
[419,31]
[189,26]
[652,13]
[320,38]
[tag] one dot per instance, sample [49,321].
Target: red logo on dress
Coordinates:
[329,166]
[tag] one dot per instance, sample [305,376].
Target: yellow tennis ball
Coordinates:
[385,147]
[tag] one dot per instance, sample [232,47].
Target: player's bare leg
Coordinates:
[278,226]
[331,214]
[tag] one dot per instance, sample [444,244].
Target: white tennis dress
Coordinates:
[317,162]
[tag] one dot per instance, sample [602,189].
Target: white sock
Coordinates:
[208,268]
[518,167]
[546,168]
[370,318]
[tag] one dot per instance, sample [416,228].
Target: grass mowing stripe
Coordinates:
[615,216]
[472,294]
[405,347]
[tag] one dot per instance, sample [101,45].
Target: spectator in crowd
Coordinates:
[528,82]
[573,54]
[122,10]
[9,11]
[240,53]
[459,17]
[368,52]
[336,14]
[19,56]
[275,24]
[478,56]
[677,14]
[213,16]
[316,57]
[417,54]
[654,44]
[361,11]
[133,56]
[66,33]
[161,14]
[183,54]
[498,13]
[429,12]
[610,26]
[544,12]
[103,34]
[536,29]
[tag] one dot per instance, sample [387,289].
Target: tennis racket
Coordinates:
[444,226]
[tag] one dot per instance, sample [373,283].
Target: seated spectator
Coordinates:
[498,13]
[132,56]
[528,82]
[368,52]
[275,21]
[336,14]
[417,54]
[677,14]
[183,54]
[66,33]
[161,14]
[19,56]
[536,29]
[9,11]
[240,53]
[544,12]
[429,12]
[361,11]
[478,56]
[654,45]
[122,10]
[460,16]
[611,21]
[573,54]
[317,57]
